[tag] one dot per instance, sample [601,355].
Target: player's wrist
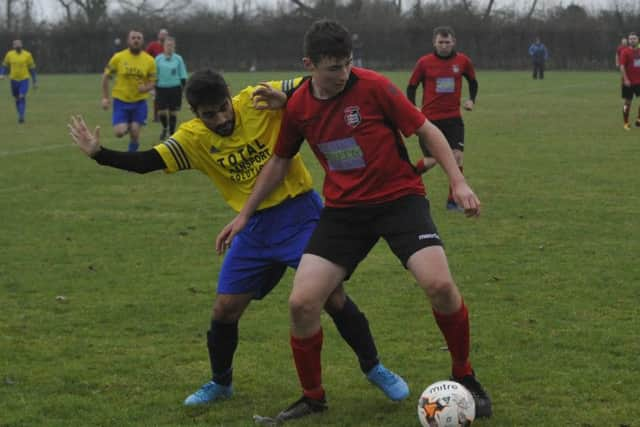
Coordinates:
[94,154]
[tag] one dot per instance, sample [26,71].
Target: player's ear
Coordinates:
[308,64]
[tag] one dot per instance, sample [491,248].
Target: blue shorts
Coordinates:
[19,88]
[129,112]
[272,240]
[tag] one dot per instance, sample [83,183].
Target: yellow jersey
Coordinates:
[19,64]
[233,162]
[131,71]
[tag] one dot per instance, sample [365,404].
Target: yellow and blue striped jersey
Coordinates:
[19,64]
[131,71]
[233,162]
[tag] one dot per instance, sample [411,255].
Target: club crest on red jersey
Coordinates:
[352,116]
[456,69]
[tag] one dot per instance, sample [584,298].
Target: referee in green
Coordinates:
[172,75]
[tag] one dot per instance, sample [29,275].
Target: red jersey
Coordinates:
[441,80]
[356,137]
[619,51]
[630,59]
[155,48]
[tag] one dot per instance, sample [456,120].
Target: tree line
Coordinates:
[392,35]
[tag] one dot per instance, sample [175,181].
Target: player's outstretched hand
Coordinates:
[468,105]
[224,239]
[106,102]
[465,197]
[265,97]
[89,142]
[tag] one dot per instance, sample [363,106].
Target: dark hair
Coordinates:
[444,31]
[328,39]
[632,34]
[206,87]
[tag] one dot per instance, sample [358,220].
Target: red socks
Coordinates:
[306,354]
[455,328]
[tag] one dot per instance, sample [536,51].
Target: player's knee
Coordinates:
[226,310]
[303,308]
[439,287]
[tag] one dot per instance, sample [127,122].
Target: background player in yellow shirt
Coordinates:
[135,75]
[229,141]
[19,63]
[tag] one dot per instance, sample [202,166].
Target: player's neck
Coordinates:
[321,93]
[449,56]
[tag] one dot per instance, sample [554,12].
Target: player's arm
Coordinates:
[106,100]
[269,178]
[32,70]
[183,73]
[473,91]
[623,71]
[89,142]
[150,83]
[439,149]
[34,76]
[411,93]
[274,95]
[4,68]
[412,87]
[152,77]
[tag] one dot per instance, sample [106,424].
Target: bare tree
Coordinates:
[532,9]
[306,10]
[468,6]
[155,8]
[93,11]
[67,5]
[487,11]
[10,20]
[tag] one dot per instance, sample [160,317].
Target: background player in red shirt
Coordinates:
[622,46]
[154,49]
[440,74]
[630,69]
[352,119]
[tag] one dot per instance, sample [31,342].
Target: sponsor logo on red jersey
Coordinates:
[352,116]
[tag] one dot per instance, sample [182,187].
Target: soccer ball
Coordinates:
[446,404]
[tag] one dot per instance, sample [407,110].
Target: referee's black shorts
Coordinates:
[169,98]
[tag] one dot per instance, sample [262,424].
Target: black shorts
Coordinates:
[453,130]
[345,236]
[629,91]
[169,98]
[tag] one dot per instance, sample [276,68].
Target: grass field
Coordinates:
[107,277]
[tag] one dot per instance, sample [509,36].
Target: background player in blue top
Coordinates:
[539,55]
[172,75]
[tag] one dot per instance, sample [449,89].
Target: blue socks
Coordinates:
[21,106]
[133,146]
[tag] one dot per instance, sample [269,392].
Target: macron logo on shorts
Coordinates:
[428,236]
